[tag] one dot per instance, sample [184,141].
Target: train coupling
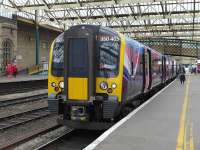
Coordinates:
[79,113]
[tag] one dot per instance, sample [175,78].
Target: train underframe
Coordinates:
[100,113]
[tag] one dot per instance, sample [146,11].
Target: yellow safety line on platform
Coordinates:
[191,139]
[185,139]
[181,134]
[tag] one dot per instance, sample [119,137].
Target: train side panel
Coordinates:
[156,68]
[167,70]
[133,69]
[174,66]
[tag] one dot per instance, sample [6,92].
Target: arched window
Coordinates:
[6,54]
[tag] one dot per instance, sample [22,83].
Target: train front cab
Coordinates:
[92,89]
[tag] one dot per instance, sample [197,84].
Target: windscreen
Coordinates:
[108,53]
[58,57]
[78,57]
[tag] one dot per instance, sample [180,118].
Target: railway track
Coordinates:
[21,118]
[12,144]
[59,136]
[23,86]
[21,100]
[18,120]
[74,140]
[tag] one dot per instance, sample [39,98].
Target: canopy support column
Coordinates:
[37,39]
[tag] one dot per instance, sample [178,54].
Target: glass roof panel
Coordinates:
[142,17]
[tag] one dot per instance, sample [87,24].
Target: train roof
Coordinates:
[94,27]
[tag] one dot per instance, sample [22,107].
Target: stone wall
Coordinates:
[26,53]
[8,32]
[21,36]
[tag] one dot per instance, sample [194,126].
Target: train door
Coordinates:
[167,68]
[173,68]
[163,69]
[147,69]
[79,65]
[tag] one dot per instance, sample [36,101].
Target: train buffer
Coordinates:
[167,121]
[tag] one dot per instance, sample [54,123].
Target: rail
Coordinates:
[21,100]
[21,118]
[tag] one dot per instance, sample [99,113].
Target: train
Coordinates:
[95,72]
[197,66]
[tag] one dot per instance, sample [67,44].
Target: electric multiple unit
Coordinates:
[94,72]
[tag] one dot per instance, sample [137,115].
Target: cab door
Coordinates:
[79,64]
[147,69]
[163,69]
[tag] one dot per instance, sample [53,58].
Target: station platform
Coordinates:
[20,78]
[167,121]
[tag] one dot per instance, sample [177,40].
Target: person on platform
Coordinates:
[182,78]
[11,70]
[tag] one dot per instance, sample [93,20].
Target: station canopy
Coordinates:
[138,18]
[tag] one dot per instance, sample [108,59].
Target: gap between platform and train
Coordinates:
[118,124]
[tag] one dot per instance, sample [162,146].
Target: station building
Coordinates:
[18,43]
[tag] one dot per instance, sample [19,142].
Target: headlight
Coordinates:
[103,85]
[114,86]
[61,85]
[53,84]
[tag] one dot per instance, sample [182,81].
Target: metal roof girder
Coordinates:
[14,5]
[66,5]
[174,16]
[104,14]
[46,4]
[78,15]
